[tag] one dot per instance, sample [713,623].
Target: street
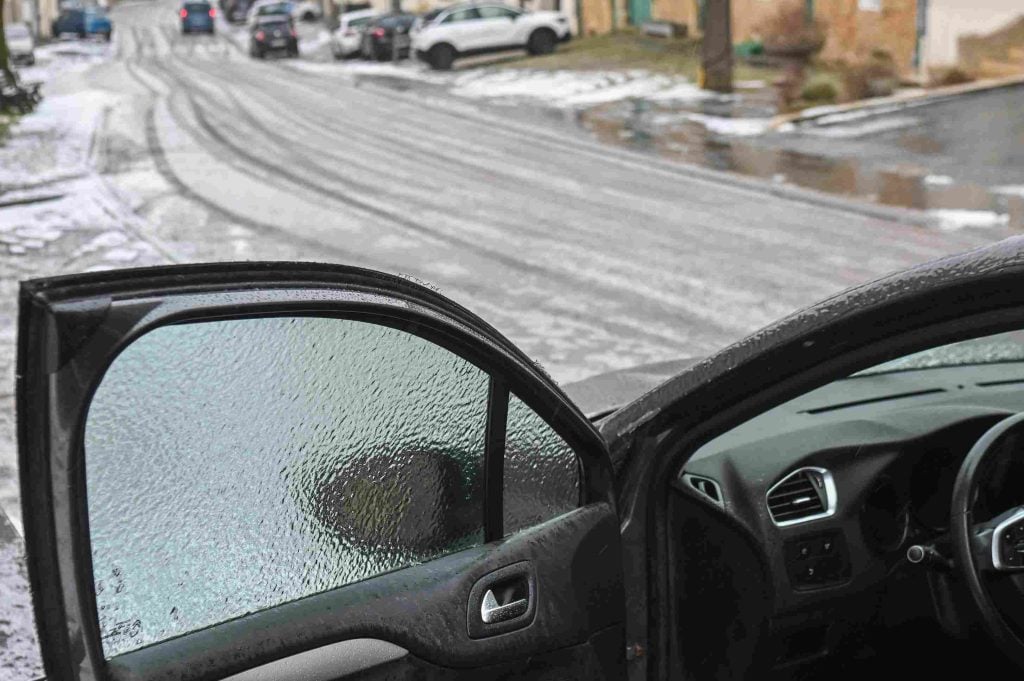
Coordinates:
[589,256]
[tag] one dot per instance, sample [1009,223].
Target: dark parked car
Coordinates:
[274,33]
[83,21]
[197,17]
[387,35]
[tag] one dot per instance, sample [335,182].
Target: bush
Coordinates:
[951,76]
[873,77]
[819,91]
[789,33]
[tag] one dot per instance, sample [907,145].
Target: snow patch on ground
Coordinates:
[868,127]
[951,220]
[938,180]
[735,127]
[55,142]
[65,56]
[1010,190]
[570,89]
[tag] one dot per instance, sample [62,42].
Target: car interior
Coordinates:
[814,540]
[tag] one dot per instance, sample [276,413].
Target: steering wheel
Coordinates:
[990,555]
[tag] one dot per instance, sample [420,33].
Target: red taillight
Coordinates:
[378,33]
[260,35]
[183,13]
[213,12]
[291,32]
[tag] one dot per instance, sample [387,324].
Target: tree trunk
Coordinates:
[716,49]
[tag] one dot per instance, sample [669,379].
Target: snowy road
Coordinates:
[589,257]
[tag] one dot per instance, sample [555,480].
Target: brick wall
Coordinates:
[854,32]
[676,11]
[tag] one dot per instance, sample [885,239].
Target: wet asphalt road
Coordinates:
[589,257]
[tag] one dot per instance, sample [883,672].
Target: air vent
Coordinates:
[805,494]
[707,487]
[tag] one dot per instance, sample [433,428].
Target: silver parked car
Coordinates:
[20,43]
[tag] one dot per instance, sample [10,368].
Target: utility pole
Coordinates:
[716,48]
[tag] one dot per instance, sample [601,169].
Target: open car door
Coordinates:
[304,472]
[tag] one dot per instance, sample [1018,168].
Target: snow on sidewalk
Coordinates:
[570,89]
[57,213]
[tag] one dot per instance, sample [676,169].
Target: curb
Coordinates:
[932,96]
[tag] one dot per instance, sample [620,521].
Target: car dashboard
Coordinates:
[810,507]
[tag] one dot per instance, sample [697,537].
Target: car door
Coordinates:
[461,28]
[497,27]
[291,471]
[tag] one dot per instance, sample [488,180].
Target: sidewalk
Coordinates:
[57,213]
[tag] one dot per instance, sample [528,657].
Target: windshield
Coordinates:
[17,31]
[276,8]
[997,349]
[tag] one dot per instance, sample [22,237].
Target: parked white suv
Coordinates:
[474,28]
[347,38]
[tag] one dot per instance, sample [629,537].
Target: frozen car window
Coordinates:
[541,470]
[235,465]
[16,31]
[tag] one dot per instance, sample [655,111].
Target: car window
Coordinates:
[493,12]
[461,15]
[357,23]
[236,465]
[197,7]
[276,8]
[16,31]
[541,470]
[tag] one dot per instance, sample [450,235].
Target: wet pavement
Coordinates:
[963,154]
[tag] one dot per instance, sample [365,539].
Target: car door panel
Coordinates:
[424,609]
[73,328]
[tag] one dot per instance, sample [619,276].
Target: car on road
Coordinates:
[20,43]
[387,36]
[273,34]
[299,11]
[264,8]
[346,40]
[197,17]
[304,471]
[236,11]
[83,22]
[442,36]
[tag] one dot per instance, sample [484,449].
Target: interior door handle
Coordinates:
[491,611]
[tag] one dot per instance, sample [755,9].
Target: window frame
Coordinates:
[110,314]
[510,13]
